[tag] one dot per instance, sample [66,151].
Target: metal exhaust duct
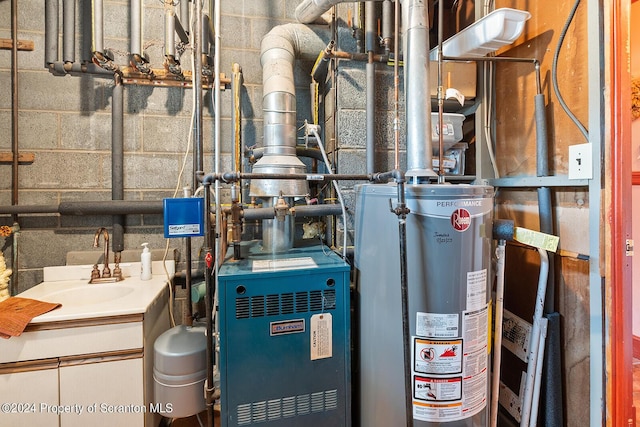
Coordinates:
[309,11]
[415,14]
[280,48]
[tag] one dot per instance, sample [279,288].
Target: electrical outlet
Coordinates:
[580,164]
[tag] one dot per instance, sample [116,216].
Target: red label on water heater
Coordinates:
[461,219]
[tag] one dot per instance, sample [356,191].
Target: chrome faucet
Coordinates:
[106,272]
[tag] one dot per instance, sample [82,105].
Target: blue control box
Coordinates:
[183,217]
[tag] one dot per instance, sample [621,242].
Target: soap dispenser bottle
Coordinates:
[145,263]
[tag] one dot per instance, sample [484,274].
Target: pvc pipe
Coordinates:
[535,340]
[117,161]
[497,343]
[97,26]
[51,32]
[533,421]
[68,31]
[370,44]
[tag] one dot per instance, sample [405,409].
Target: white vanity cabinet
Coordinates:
[20,390]
[111,393]
[96,370]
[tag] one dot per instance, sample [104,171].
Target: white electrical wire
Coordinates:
[338,192]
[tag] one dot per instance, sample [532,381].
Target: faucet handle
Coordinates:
[95,273]
[106,271]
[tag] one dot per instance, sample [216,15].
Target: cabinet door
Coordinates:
[29,398]
[110,393]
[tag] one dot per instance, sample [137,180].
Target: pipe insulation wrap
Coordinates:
[169,33]
[68,31]
[97,24]
[542,165]
[309,11]
[51,32]
[117,162]
[135,45]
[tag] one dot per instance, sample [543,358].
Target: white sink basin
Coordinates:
[82,300]
[90,294]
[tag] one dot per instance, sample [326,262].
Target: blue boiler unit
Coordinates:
[284,339]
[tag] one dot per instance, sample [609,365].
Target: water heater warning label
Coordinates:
[321,336]
[437,389]
[437,357]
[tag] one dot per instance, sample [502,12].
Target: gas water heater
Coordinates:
[284,339]
[448,272]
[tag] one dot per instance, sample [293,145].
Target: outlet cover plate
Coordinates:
[580,162]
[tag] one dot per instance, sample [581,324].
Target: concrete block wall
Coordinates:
[66,122]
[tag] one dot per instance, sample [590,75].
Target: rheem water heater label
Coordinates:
[436,325]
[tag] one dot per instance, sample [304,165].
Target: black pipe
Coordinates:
[255,214]
[112,207]
[229,177]
[401,211]
[117,162]
[209,272]
[317,210]
[101,207]
[14,107]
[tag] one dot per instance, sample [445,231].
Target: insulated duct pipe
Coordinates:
[117,162]
[100,56]
[135,44]
[309,11]
[68,31]
[98,207]
[51,32]
[198,148]
[137,57]
[370,46]
[97,24]
[280,48]
[387,25]
[415,15]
